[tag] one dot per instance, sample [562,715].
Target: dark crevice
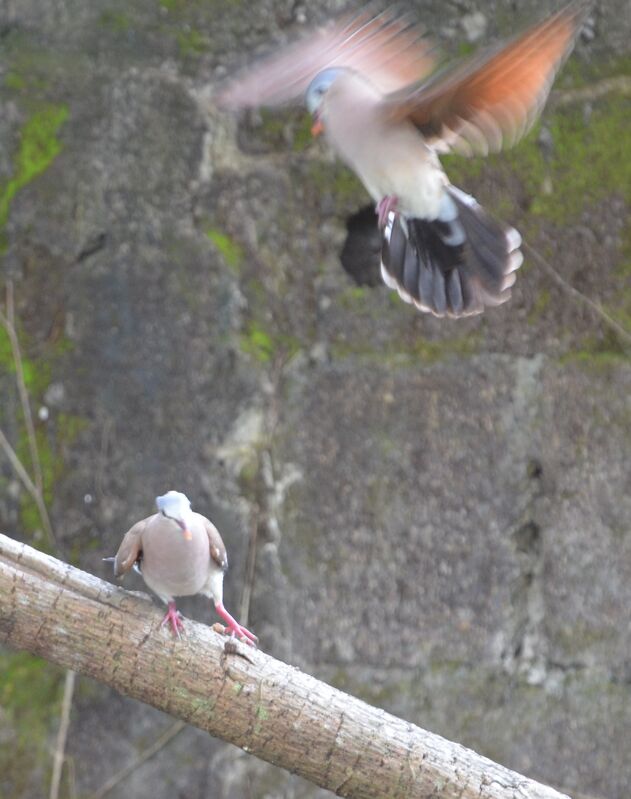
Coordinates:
[92,246]
[528,539]
[361,253]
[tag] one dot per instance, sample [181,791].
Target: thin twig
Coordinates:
[29,485]
[618,83]
[160,743]
[578,295]
[62,735]
[72,777]
[246,594]
[8,321]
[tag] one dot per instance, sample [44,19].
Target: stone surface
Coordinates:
[443,510]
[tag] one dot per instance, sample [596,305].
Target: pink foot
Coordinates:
[174,617]
[234,628]
[384,206]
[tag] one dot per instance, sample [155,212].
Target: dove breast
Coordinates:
[171,565]
[389,157]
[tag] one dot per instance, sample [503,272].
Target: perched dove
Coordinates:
[366,85]
[179,553]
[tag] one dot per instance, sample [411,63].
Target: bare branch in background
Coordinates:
[28,484]
[35,488]
[577,295]
[62,734]
[168,735]
[8,322]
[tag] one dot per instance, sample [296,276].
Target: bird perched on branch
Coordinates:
[365,80]
[178,553]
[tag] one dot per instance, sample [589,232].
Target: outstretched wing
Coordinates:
[492,100]
[130,549]
[389,48]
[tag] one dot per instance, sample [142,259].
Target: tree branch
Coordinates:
[266,707]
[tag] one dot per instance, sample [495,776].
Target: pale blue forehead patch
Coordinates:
[173,503]
[320,85]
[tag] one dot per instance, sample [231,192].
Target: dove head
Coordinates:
[316,92]
[176,506]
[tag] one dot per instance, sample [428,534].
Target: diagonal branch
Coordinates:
[247,698]
[581,298]
[21,472]
[168,735]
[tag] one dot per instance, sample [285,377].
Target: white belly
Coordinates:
[408,174]
[173,566]
[390,159]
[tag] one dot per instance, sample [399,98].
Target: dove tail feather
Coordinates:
[453,265]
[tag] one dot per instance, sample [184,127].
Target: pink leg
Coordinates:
[234,628]
[174,617]
[384,206]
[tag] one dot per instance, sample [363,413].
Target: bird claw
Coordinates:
[174,618]
[233,626]
[241,633]
[384,207]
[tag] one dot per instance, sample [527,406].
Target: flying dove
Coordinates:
[366,85]
[179,553]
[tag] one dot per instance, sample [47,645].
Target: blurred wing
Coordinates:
[130,549]
[492,100]
[388,48]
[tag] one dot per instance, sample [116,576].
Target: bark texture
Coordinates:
[266,707]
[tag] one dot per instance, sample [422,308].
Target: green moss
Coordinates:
[350,297]
[37,375]
[39,146]
[30,695]
[591,160]
[540,304]
[272,124]
[336,180]
[466,49]
[418,350]
[258,343]
[52,442]
[264,345]
[191,42]
[51,439]
[230,250]
[578,74]
[14,81]
[591,157]
[599,353]
[302,133]
[116,20]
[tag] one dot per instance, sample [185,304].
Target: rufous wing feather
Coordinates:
[492,100]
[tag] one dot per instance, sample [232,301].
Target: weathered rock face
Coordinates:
[443,510]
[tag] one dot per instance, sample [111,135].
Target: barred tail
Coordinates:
[454,265]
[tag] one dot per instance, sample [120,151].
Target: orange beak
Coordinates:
[317,128]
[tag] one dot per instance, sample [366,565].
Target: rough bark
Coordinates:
[266,707]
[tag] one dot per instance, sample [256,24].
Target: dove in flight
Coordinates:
[366,81]
[179,553]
